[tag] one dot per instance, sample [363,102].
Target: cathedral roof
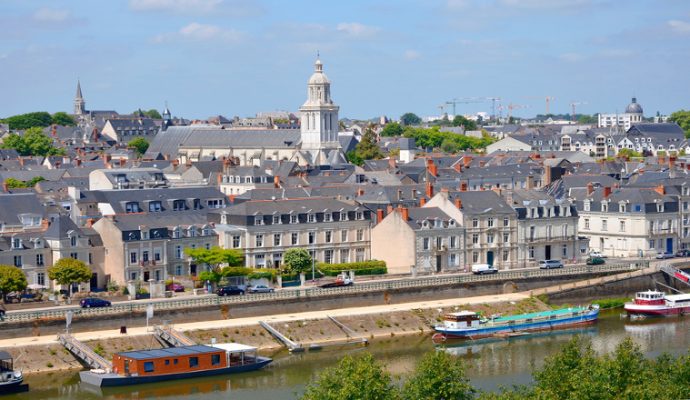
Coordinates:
[634,107]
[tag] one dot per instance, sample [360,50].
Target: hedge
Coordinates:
[373,267]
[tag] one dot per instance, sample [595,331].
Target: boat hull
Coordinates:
[15,386]
[109,380]
[491,331]
[655,310]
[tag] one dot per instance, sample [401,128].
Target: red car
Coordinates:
[174,287]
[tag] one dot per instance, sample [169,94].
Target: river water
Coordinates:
[490,364]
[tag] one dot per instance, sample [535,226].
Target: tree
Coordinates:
[62,118]
[13,183]
[12,279]
[410,119]
[588,119]
[366,149]
[628,153]
[29,120]
[468,124]
[33,143]
[438,375]
[152,113]
[392,129]
[140,145]
[215,256]
[68,271]
[355,378]
[682,118]
[297,260]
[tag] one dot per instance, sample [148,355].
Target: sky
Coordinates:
[240,57]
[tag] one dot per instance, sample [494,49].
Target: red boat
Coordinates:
[653,303]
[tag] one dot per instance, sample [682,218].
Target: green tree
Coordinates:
[140,145]
[214,257]
[392,129]
[682,118]
[33,143]
[12,279]
[212,276]
[152,113]
[438,376]
[587,119]
[13,183]
[367,149]
[68,271]
[468,124]
[62,118]
[297,260]
[409,118]
[629,153]
[355,378]
[29,120]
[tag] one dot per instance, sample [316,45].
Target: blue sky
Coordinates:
[238,57]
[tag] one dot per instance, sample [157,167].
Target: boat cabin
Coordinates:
[678,300]
[6,362]
[171,360]
[462,320]
[650,297]
[237,353]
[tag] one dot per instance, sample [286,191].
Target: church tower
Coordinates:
[319,119]
[79,103]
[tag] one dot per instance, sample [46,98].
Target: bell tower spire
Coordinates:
[79,103]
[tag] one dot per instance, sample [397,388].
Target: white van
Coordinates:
[480,269]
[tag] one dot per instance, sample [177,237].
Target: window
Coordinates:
[73,241]
[439,242]
[475,238]
[565,251]
[360,235]
[425,244]
[506,255]
[604,206]
[475,257]
[453,242]
[178,252]
[145,255]
[155,206]
[236,241]
[132,207]
[622,208]
[144,235]
[41,278]
[531,232]
[214,203]
[604,225]
[343,216]
[329,236]
[506,237]
[197,204]
[178,270]
[586,205]
[215,359]
[258,220]
[156,254]
[652,243]
[276,239]
[359,215]
[312,237]
[328,256]
[531,252]
[343,235]
[327,217]
[586,223]
[293,219]
[506,221]
[16,243]
[622,226]
[453,259]
[344,255]
[359,255]
[276,219]
[660,207]
[193,362]
[148,366]
[490,222]
[489,237]
[311,218]
[475,223]
[176,233]
[39,259]
[259,240]
[133,257]
[294,238]
[18,261]
[179,205]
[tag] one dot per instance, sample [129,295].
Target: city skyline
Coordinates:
[237,57]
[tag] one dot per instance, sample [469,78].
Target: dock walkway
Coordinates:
[84,352]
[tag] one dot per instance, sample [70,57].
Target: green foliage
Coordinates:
[297,260]
[62,118]
[438,376]
[373,267]
[587,119]
[392,129]
[67,271]
[29,120]
[366,149]
[236,271]
[216,256]
[140,145]
[152,113]
[611,303]
[211,276]
[469,125]
[628,153]
[33,143]
[409,118]
[682,118]
[355,378]
[354,158]
[13,183]
[12,279]
[448,141]
[263,273]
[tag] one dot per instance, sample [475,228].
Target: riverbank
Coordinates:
[44,354]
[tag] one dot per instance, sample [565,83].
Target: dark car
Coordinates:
[260,289]
[229,290]
[683,253]
[94,302]
[595,261]
[174,287]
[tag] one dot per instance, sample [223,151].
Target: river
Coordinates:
[491,364]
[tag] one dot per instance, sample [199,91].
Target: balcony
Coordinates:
[147,263]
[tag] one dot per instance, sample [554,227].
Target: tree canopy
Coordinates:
[14,183]
[468,124]
[682,118]
[12,279]
[29,120]
[139,144]
[392,129]
[62,118]
[366,149]
[409,118]
[152,113]
[297,260]
[216,256]
[67,271]
[447,141]
[32,143]
[438,376]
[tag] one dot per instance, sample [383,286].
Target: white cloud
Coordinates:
[177,6]
[679,26]
[201,32]
[356,29]
[412,55]
[51,15]
[571,57]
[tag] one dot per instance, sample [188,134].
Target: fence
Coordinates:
[306,293]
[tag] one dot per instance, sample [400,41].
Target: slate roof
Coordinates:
[482,202]
[12,205]
[59,227]
[171,219]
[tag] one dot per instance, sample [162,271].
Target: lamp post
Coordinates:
[313,266]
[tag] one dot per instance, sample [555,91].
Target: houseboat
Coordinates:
[654,303]
[470,325]
[11,380]
[147,366]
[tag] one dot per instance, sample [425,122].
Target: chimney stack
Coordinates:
[429,190]
[90,222]
[660,189]
[122,162]
[405,213]
[458,203]
[175,163]
[466,161]
[590,188]
[607,191]
[219,179]
[431,167]
[463,186]
[379,215]
[276,182]
[231,198]
[360,192]
[671,162]
[422,202]
[389,209]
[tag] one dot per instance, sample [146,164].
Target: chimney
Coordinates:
[188,163]
[219,179]
[44,224]
[429,190]
[530,181]
[391,162]
[78,160]
[21,161]
[166,157]
[90,222]
[671,162]
[590,188]
[463,186]
[405,213]
[360,192]
[547,176]
[457,167]
[57,164]
[458,203]
[660,189]
[4,187]
[482,163]
[122,162]
[175,163]
[422,202]
[389,209]
[466,161]
[379,215]
[231,198]
[662,160]
[431,167]
[607,191]
[276,182]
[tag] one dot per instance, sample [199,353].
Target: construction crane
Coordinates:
[549,99]
[442,107]
[575,104]
[512,107]
[493,101]
[463,100]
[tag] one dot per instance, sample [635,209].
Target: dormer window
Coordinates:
[197,204]
[73,240]
[276,219]
[622,207]
[132,207]
[155,206]
[359,215]
[586,205]
[660,207]
[16,243]
[343,215]
[311,218]
[179,205]
[327,217]
[207,231]
[176,232]
[258,220]
[191,231]
[293,219]
[604,206]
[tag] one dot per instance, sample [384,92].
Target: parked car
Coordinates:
[174,287]
[595,253]
[340,280]
[595,261]
[90,302]
[683,253]
[480,269]
[260,289]
[548,264]
[229,290]
[662,256]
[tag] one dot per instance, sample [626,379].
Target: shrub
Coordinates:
[266,273]
[373,267]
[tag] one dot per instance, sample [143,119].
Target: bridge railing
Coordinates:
[315,292]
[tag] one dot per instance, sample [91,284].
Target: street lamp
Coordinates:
[313,266]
